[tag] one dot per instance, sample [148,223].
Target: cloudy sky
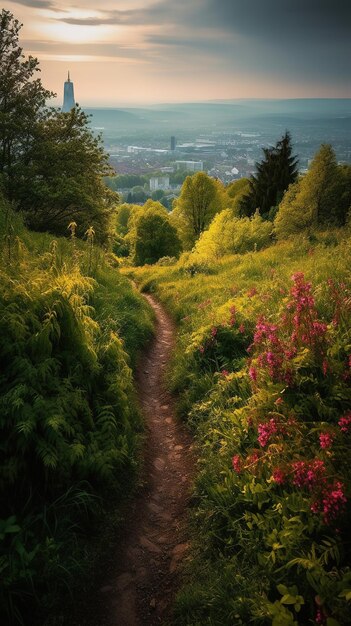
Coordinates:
[146,51]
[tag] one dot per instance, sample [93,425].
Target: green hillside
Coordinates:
[71,327]
[262,375]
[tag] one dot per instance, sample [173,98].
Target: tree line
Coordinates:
[51,164]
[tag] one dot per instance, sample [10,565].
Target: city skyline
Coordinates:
[146,51]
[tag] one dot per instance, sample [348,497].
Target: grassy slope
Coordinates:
[235,572]
[70,337]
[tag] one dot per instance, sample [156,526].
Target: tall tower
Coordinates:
[68,96]
[173,143]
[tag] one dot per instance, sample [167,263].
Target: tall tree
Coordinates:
[22,100]
[62,178]
[154,235]
[51,164]
[200,199]
[273,176]
[321,197]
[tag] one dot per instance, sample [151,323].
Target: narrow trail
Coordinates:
[141,590]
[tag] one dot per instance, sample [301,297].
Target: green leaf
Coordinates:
[288,599]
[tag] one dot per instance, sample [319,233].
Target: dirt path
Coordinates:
[142,588]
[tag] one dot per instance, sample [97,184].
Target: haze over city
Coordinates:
[147,51]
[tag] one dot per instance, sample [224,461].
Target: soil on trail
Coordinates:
[153,545]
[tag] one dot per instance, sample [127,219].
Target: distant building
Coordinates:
[140,149]
[68,96]
[159,182]
[173,143]
[190,166]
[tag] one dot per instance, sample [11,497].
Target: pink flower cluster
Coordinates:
[309,473]
[272,351]
[251,460]
[332,502]
[237,463]
[326,440]
[276,345]
[265,431]
[301,292]
[279,476]
[345,423]
[307,329]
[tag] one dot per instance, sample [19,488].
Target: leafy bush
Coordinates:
[228,234]
[69,425]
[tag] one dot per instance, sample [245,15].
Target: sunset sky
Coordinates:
[148,51]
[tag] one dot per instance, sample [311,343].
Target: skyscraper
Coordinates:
[173,143]
[68,96]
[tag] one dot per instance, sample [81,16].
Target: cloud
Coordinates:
[161,12]
[84,49]
[293,19]
[35,4]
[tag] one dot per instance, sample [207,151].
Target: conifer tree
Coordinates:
[273,176]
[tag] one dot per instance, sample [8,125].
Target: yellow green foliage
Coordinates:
[228,234]
[320,197]
[200,199]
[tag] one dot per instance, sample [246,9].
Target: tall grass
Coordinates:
[71,328]
[263,379]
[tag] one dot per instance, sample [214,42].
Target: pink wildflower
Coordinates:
[236,463]
[201,349]
[214,331]
[265,431]
[325,367]
[252,292]
[252,458]
[278,476]
[309,473]
[224,373]
[241,328]
[345,422]
[253,373]
[326,440]
[279,401]
[333,502]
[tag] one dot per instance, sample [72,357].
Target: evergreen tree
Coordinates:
[273,176]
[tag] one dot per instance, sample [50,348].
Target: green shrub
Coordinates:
[69,424]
